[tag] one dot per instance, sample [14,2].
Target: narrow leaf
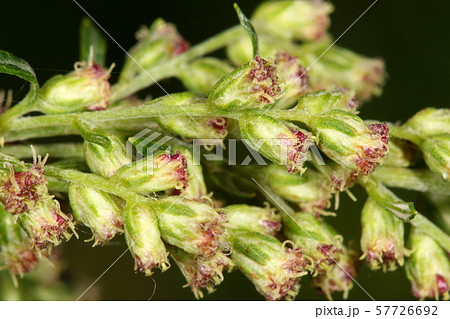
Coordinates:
[10,64]
[248,27]
[91,36]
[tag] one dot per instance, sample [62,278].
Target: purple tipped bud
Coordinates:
[253,85]
[252,218]
[382,237]
[201,273]
[428,267]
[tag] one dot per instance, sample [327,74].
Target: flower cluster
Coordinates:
[137,170]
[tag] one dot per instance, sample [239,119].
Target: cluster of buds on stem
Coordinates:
[24,194]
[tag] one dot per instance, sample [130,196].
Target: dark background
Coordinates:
[412,36]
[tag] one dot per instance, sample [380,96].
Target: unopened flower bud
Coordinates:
[274,268]
[321,244]
[86,88]
[252,218]
[382,241]
[201,75]
[192,226]
[428,267]
[15,252]
[323,101]
[188,127]
[157,44]
[46,224]
[104,152]
[348,141]
[311,191]
[252,85]
[436,152]
[201,273]
[430,121]
[282,143]
[295,80]
[143,237]
[100,211]
[342,68]
[154,173]
[293,20]
[339,277]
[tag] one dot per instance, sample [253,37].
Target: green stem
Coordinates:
[55,150]
[23,107]
[422,223]
[413,179]
[387,199]
[122,90]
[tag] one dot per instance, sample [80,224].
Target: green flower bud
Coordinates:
[15,254]
[143,237]
[339,277]
[348,141]
[253,85]
[157,45]
[154,173]
[436,152]
[430,121]
[202,74]
[311,191]
[342,68]
[46,224]
[100,211]
[323,101]
[201,273]
[273,267]
[295,77]
[187,127]
[282,143]
[192,226]
[86,88]
[320,242]
[252,218]
[104,152]
[382,241]
[294,20]
[428,267]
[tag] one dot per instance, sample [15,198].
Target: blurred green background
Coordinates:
[412,37]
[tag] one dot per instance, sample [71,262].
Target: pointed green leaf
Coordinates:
[10,64]
[90,35]
[248,27]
